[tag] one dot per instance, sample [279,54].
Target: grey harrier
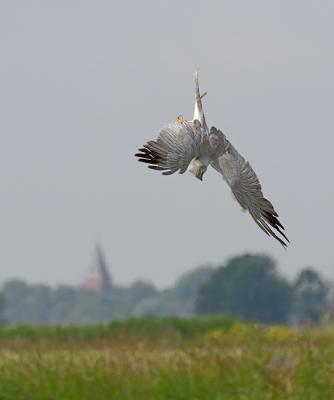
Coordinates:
[190,145]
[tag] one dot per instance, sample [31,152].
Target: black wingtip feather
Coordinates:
[155,154]
[145,160]
[157,168]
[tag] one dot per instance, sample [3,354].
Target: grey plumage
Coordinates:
[181,146]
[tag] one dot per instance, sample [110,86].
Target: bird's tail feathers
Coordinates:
[199,114]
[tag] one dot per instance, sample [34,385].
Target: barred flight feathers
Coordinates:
[247,190]
[177,144]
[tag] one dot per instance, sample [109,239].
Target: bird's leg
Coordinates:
[180,119]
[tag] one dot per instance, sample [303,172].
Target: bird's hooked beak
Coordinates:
[200,176]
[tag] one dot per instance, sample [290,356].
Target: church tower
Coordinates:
[98,277]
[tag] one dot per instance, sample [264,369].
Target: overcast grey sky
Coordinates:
[83,84]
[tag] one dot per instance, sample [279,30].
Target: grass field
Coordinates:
[167,359]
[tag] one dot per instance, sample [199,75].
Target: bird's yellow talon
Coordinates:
[180,119]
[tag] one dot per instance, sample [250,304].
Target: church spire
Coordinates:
[98,277]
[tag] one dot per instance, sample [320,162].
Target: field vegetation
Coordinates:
[167,358]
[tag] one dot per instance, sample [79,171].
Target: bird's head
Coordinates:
[197,168]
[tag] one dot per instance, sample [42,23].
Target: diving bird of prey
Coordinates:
[190,145]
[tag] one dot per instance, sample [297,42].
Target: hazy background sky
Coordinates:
[83,84]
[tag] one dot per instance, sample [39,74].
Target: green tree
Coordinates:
[90,307]
[40,304]
[63,301]
[177,300]
[2,306]
[26,303]
[247,287]
[310,296]
[15,291]
[125,299]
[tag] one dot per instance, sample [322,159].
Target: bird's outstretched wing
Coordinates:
[177,144]
[246,188]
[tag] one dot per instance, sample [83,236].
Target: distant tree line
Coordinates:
[250,287]
[247,287]
[41,304]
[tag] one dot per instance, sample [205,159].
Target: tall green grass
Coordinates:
[147,327]
[167,359]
